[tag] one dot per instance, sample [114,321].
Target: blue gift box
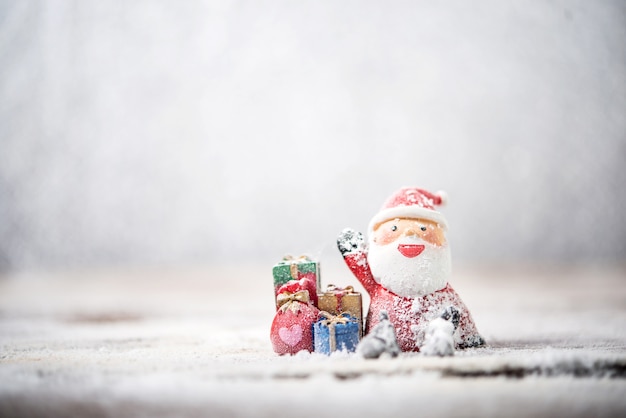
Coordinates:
[333,333]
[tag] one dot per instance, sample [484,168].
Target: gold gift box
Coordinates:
[336,300]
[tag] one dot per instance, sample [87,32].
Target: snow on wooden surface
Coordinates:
[195,342]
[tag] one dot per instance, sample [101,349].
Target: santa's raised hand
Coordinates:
[350,242]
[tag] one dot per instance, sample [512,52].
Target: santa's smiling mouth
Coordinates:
[410,250]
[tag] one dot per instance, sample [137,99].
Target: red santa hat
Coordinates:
[411,202]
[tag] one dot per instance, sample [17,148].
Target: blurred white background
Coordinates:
[162,132]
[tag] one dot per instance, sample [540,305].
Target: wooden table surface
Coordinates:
[195,342]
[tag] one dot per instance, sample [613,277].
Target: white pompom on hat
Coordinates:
[411,202]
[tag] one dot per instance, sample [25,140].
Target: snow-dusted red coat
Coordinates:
[411,316]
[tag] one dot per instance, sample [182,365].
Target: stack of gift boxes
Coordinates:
[309,318]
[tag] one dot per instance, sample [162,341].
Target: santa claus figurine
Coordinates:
[405,268]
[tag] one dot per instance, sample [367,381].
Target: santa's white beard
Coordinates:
[410,277]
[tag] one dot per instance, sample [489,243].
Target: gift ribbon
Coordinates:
[293,267]
[330,322]
[287,300]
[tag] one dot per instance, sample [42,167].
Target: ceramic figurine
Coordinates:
[292,328]
[301,270]
[335,332]
[338,300]
[381,339]
[405,266]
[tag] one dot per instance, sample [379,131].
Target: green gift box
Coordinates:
[291,268]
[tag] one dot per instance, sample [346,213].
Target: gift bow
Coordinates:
[335,289]
[330,321]
[289,257]
[286,300]
[333,319]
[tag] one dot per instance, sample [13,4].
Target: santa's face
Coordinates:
[410,257]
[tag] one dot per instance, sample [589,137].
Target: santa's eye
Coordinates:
[423,228]
[394,228]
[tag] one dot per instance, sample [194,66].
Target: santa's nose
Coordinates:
[410,232]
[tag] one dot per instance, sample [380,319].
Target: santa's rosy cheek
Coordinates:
[434,236]
[384,237]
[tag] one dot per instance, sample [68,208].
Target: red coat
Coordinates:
[409,316]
